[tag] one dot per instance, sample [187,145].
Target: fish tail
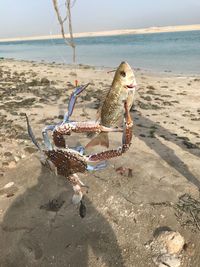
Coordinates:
[101,139]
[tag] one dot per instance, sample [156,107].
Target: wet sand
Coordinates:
[123,210]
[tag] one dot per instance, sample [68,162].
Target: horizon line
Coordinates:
[154,29]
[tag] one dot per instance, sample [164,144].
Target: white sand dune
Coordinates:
[195,27]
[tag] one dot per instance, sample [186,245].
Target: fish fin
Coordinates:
[98,115]
[101,139]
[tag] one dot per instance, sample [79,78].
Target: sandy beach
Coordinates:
[124,210]
[179,28]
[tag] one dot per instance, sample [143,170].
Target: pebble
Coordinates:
[8,185]
[12,165]
[170,242]
[7,154]
[30,149]
[16,158]
[10,195]
[166,247]
[45,81]
[14,113]
[167,260]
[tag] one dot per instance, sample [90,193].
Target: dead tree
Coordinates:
[69,41]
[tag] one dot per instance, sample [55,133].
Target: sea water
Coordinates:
[178,52]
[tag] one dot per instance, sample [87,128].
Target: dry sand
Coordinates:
[123,212]
[178,28]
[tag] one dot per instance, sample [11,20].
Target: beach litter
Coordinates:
[166,248]
[188,212]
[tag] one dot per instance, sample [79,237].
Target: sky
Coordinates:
[37,17]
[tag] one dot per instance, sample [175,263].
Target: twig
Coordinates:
[195,220]
[102,179]
[130,201]
[164,203]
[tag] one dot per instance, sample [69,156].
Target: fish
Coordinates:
[111,109]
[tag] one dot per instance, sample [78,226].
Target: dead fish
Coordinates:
[112,109]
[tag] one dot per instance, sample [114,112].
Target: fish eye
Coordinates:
[122,73]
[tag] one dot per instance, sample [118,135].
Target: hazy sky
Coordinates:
[37,17]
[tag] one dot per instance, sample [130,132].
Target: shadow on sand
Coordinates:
[35,236]
[145,129]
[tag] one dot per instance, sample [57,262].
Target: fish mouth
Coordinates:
[131,86]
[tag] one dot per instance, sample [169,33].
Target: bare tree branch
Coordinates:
[64,19]
[73,3]
[61,21]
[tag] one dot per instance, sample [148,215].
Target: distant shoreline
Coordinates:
[195,27]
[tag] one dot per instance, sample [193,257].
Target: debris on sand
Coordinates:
[170,242]
[8,185]
[124,171]
[188,212]
[53,205]
[9,189]
[167,260]
[166,248]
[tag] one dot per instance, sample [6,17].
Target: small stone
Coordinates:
[10,195]
[189,249]
[8,185]
[7,154]
[87,97]
[34,82]
[189,145]
[16,158]
[72,73]
[45,81]
[130,172]
[23,136]
[14,113]
[60,117]
[170,242]
[167,260]
[151,87]
[147,98]
[30,149]
[12,165]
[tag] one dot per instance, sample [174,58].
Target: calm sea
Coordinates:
[177,52]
